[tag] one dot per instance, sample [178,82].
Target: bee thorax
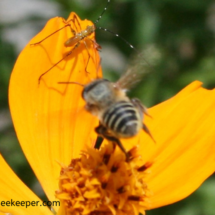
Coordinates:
[99,93]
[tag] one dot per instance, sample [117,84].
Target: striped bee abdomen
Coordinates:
[122,119]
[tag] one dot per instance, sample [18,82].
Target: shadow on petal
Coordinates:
[49,118]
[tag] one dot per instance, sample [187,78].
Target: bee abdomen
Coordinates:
[122,119]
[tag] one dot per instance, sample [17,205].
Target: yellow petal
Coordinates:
[49,118]
[184,153]
[14,193]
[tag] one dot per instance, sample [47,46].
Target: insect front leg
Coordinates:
[67,25]
[75,20]
[96,45]
[137,103]
[102,131]
[69,53]
[88,52]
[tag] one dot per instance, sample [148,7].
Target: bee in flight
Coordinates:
[119,116]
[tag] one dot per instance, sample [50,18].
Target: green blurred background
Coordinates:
[178,34]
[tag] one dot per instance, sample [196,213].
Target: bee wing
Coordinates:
[140,65]
[132,76]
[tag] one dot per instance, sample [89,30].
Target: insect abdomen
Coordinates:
[122,119]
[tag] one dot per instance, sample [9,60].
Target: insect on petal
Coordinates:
[49,118]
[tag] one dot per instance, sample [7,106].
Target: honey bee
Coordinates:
[119,116]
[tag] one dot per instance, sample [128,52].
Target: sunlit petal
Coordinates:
[184,153]
[13,190]
[49,118]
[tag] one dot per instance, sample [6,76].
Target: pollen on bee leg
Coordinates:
[144,167]
[102,182]
[133,153]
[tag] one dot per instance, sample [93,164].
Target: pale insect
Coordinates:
[119,116]
[77,37]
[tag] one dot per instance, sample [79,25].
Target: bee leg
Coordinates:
[101,130]
[142,109]
[118,142]
[137,103]
[99,141]
[145,128]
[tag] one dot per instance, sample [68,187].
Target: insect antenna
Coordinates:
[108,1]
[70,82]
[105,29]
[117,35]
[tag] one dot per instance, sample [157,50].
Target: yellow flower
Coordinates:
[53,128]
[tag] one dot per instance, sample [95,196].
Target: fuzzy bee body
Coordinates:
[122,119]
[119,116]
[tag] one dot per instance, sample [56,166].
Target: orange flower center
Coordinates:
[101,182]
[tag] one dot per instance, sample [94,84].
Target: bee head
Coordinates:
[98,93]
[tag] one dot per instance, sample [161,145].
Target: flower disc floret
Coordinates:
[103,182]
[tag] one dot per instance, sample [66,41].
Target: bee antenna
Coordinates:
[108,1]
[68,82]
[117,35]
